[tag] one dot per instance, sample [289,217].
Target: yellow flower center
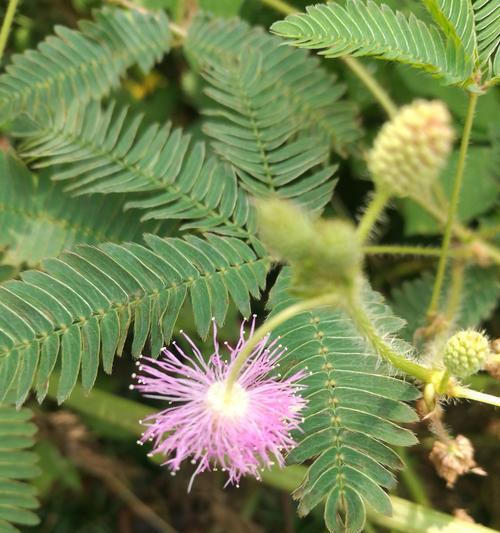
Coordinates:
[229,405]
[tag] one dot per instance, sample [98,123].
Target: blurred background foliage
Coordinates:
[94,478]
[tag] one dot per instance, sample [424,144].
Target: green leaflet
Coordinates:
[257,135]
[79,308]
[293,80]
[354,408]
[83,65]
[110,151]
[487,22]
[365,28]
[38,220]
[480,295]
[457,22]
[17,466]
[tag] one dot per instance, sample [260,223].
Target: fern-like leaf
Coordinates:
[353,411]
[110,151]
[80,306]
[364,28]
[487,21]
[17,498]
[39,220]
[312,96]
[257,135]
[456,19]
[83,65]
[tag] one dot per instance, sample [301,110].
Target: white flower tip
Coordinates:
[181,331]
[254,316]
[149,454]
[193,461]
[137,363]
[131,387]
[134,375]
[172,474]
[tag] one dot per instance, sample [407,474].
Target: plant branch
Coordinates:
[364,324]
[452,211]
[6,25]
[356,66]
[371,214]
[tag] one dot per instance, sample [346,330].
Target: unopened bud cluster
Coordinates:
[324,254]
[411,150]
[465,353]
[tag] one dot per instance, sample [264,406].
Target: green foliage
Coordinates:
[85,64]
[39,220]
[111,151]
[79,307]
[479,298]
[364,28]
[487,21]
[456,19]
[353,411]
[256,135]
[312,97]
[17,498]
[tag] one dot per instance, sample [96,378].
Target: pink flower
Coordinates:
[241,431]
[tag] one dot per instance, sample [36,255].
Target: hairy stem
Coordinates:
[452,210]
[358,68]
[269,325]
[395,249]
[457,391]
[6,25]
[365,325]
[371,214]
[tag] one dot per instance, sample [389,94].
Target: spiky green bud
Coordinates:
[324,254]
[411,149]
[465,353]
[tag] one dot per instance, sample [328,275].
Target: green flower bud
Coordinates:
[324,254]
[411,150]
[286,231]
[465,353]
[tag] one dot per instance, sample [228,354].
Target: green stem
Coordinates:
[372,213]
[177,30]
[6,25]
[358,68]
[372,85]
[455,198]
[269,325]
[395,249]
[457,391]
[366,327]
